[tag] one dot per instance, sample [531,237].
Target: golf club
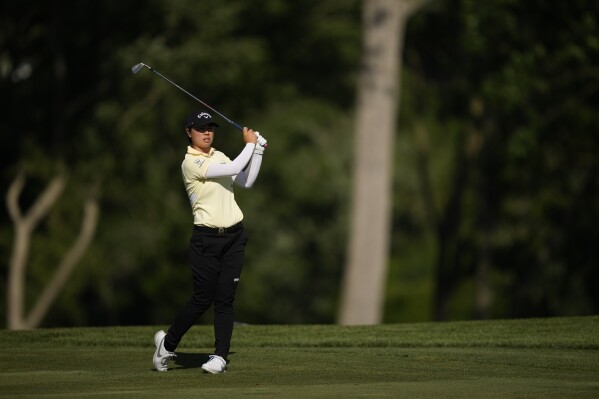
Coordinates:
[138,67]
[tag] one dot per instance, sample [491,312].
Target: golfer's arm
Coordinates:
[233,168]
[248,176]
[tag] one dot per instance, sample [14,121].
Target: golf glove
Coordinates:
[261,140]
[259,150]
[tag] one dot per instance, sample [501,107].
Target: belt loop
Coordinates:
[221,230]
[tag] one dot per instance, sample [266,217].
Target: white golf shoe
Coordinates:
[161,356]
[215,365]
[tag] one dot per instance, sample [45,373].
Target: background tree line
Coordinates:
[495,198]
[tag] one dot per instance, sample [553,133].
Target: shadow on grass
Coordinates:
[185,360]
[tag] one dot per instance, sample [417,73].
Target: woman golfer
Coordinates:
[217,245]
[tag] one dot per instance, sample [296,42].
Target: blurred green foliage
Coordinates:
[495,160]
[499,105]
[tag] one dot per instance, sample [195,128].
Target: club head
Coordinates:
[137,68]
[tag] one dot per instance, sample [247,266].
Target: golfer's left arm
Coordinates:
[247,177]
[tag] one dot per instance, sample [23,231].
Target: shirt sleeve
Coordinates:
[248,176]
[232,168]
[195,168]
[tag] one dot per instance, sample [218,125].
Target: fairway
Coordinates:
[533,358]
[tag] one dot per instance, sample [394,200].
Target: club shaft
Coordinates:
[194,97]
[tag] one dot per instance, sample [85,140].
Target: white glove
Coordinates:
[261,141]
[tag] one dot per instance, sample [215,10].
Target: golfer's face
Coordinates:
[201,137]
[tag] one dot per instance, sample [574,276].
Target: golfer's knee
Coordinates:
[223,307]
[201,300]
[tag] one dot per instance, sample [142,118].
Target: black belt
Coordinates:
[218,230]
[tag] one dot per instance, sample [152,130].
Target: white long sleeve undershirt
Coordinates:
[244,177]
[248,176]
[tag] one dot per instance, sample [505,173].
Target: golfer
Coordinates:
[217,245]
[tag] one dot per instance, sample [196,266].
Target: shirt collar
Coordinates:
[193,151]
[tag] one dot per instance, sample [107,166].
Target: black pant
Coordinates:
[216,261]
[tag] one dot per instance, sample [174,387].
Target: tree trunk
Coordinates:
[483,293]
[24,227]
[363,287]
[91,211]
[447,230]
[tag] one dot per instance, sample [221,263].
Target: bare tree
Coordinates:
[445,218]
[25,225]
[363,285]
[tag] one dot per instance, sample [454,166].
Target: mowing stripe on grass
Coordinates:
[537,358]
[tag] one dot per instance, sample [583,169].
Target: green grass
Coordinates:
[534,358]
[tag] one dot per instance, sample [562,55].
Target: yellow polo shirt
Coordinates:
[212,200]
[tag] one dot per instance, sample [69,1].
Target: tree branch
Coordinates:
[24,226]
[43,204]
[68,263]
[12,198]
